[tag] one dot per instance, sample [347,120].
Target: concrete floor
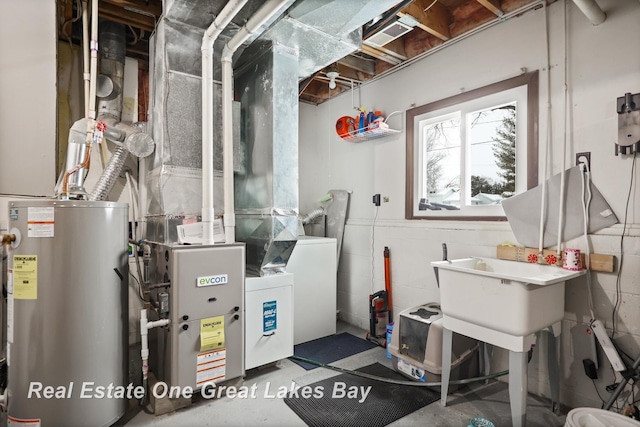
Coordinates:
[490,401]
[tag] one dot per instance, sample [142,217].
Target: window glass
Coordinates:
[467,153]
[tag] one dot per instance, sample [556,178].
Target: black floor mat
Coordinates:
[329,349]
[384,404]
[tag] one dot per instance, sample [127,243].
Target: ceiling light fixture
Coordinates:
[332,73]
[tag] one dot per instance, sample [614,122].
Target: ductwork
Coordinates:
[265,15]
[266,190]
[129,139]
[591,10]
[311,35]
[324,31]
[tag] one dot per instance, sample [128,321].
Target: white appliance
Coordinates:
[313,264]
[268,319]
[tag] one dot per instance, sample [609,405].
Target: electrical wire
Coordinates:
[586,182]
[430,6]
[373,233]
[139,287]
[624,228]
[599,396]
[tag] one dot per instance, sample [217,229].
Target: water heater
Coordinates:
[67,312]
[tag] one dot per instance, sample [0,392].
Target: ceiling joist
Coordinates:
[379,54]
[114,13]
[367,66]
[493,6]
[433,17]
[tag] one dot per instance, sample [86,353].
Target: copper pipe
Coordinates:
[7,239]
[85,164]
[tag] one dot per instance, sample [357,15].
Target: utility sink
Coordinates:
[512,297]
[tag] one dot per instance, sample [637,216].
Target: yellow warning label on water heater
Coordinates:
[25,276]
[211,333]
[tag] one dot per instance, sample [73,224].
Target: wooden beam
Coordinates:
[360,64]
[376,53]
[152,7]
[123,16]
[597,262]
[435,20]
[493,6]
[394,48]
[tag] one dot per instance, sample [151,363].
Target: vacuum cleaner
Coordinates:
[380,307]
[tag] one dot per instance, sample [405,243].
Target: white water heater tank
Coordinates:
[67,313]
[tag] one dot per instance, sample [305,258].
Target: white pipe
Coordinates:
[211,34]
[86,75]
[94,60]
[145,325]
[264,14]
[564,146]
[591,10]
[545,160]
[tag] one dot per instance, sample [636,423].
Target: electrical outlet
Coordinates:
[584,157]
[376,199]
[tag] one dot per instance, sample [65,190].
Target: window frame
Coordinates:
[530,80]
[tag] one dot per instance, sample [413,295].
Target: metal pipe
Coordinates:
[7,239]
[230,10]
[591,10]
[268,10]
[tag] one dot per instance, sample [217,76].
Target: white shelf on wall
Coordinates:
[369,134]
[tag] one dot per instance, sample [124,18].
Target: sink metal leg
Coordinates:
[485,358]
[447,337]
[554,371]
[518,387]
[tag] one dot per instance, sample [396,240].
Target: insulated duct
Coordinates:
[129,139]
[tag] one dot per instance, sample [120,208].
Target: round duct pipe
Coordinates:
[591,10]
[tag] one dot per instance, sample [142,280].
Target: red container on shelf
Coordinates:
[345,126]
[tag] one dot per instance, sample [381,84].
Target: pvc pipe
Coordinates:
[591,10]
[145,325]
[210,35]
[85,55]
[261,17]
[564,149]
[94,59]
[545,160]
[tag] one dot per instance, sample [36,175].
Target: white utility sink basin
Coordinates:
[512,297]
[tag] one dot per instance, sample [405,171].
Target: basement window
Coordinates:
[467,153]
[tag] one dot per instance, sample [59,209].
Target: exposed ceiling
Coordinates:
[403,33]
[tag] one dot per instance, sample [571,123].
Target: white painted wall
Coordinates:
[28,88]
[603,64]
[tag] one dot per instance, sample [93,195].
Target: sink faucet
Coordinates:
[444,253]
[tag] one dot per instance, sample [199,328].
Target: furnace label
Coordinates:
[211,333]
[211,366]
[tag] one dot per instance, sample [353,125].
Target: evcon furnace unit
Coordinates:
[200,289]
